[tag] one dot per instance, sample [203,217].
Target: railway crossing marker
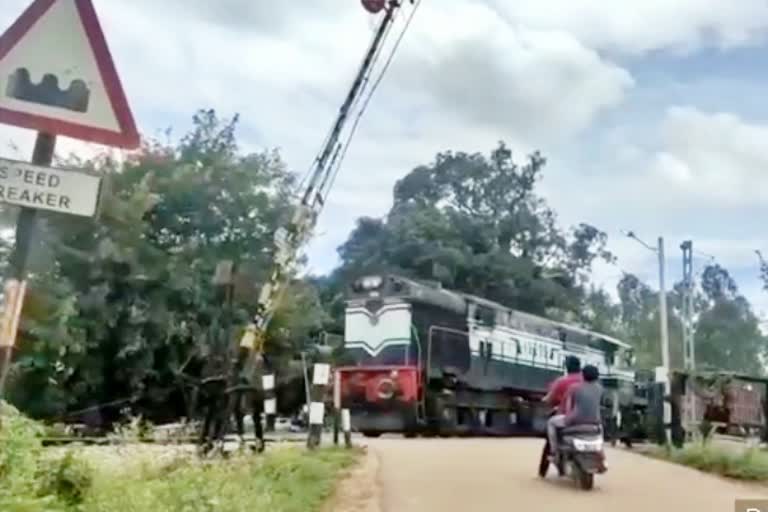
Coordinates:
[57,77]
[320,380]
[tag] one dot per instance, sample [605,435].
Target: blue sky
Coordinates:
[652,114]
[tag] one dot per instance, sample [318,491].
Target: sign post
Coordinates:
[16,273]
[56,77]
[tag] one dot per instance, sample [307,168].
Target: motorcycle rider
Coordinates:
[583,401]
[556,395]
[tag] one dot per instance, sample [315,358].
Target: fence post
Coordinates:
[320,376]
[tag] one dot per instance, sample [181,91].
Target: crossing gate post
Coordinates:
[320,377]
[270,401]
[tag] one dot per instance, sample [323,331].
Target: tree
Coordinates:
[120,303]
[728,335]
[476,224]
[763,270]
[726,330]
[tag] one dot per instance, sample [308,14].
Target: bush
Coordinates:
[30,482]
[69,478]
[750,464]
[20,456]
[20,453]
[283,480]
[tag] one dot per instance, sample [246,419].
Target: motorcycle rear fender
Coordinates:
[588,462]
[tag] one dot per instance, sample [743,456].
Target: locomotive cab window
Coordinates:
[485,316]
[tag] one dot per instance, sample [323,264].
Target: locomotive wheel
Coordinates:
[448,421]
[372,434]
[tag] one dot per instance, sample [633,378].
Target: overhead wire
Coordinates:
[327,138]
[387,64]
[352,107]
[339,147]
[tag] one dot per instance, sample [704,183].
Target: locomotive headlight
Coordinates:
[369,283]
[386,389]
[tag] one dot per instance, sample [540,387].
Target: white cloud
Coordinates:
[714,156]
[639,27]
[535,84]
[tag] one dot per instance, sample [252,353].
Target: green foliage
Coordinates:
[750,464]
[728,335]
[20,453]
[122,304]
[283,480]
[763,270]
[32,482]
[477,224]
[726,329]
[69,478]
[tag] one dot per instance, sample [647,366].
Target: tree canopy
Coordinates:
[120,303]
[477,224]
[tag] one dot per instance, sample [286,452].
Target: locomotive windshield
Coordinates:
[377,333]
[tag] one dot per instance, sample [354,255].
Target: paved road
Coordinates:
[495,475]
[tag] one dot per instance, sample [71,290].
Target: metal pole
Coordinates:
[42,155]
[690,360]
[690,415]
[663,309]
[663,375]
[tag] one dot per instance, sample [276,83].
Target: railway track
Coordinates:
[184,440]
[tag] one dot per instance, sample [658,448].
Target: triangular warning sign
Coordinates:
[57,76]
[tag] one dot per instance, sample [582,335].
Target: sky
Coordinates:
[651,114]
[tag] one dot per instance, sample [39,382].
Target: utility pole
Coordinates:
[663,325]
[689,353]
[663,308]
[662,372]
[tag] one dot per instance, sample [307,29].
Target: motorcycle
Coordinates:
[580,454]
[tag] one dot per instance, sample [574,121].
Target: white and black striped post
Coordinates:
[320,376]
[270,401]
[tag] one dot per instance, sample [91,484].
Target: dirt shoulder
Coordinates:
[360,488]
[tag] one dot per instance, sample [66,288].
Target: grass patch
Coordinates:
[750,464]
[38,480]
[282,480]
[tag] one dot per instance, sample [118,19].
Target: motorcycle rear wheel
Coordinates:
[586,480]
[544,462]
